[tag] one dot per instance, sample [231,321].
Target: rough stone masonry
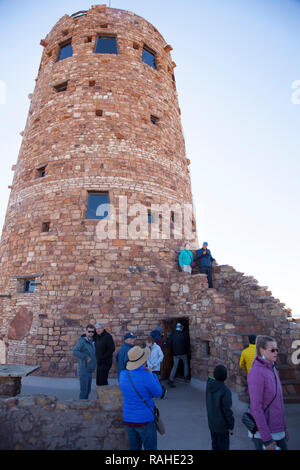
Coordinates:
[104,124]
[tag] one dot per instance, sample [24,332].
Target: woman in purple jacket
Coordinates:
[265,389]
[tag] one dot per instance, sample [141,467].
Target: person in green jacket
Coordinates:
[186,259]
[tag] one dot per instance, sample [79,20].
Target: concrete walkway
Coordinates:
[183,412]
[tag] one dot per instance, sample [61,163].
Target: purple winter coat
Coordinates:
[262,389]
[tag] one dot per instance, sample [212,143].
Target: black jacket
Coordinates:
[218,405]
[104,347]
[180,343]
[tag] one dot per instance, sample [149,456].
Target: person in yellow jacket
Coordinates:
[248,355]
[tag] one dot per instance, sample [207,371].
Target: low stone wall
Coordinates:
[41,422]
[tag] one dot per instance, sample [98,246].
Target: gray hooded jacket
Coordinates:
[84,350]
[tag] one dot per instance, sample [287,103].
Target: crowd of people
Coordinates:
[139,380]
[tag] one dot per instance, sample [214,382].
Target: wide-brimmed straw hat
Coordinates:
[137,356]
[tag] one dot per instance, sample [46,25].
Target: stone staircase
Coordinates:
[244,325]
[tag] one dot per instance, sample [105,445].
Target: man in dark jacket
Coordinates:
[180,344]
[85,353]
[205,262]
[219,413]
[122,356]
[104,346]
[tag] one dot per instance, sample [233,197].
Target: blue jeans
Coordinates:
[85,380]
[146,437]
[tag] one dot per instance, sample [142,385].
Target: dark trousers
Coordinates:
[207,270]
[103,369]
[143,437]
[220,440]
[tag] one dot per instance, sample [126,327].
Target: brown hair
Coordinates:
[261,342]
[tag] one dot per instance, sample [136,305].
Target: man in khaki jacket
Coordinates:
[248,355]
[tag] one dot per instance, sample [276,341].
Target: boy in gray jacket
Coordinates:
[85,353]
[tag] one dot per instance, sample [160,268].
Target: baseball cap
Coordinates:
[129,335]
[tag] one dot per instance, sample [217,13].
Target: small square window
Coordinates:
[61,87]
[41,172]
[106,45]
[149,57]
[29,286]
[98,206]
[46,227]
[99,112]
[66,50]
[154,119]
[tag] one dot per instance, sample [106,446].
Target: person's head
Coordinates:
[129,338]
[205,245]
[90,331]
[150,341]
[252,339]
[220,373]
[187,246]
[266,347]
[179,327]
[99,328]
[137,356]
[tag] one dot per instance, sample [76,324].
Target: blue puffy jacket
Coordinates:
[84,350]
[204,260]
[122,357]
[148,386]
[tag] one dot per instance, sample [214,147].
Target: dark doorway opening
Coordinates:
[168,327]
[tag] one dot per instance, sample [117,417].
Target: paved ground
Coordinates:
[183,413]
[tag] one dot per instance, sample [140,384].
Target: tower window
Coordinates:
[98,206]
[106,45]
[154,119]
[66,50]
[46,227]
[29,286]
[149,57]
[41,172]
[61,87]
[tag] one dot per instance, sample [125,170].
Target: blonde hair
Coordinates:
[261,342]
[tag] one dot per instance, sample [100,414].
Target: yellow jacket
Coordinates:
[247,357]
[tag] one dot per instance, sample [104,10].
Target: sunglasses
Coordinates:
[91,331]
[273,350]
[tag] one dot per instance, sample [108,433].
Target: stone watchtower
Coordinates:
[103,144]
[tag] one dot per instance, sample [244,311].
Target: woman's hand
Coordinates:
[271,446]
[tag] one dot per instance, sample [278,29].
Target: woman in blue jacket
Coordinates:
[138,387]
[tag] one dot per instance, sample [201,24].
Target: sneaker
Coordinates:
[171,383]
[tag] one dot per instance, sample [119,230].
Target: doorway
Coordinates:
[168,327]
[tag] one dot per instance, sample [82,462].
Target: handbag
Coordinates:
[160,427]
[247,418]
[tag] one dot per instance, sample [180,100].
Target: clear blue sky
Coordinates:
[236,63]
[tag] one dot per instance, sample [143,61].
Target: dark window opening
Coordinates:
[92,82]
[41,171]
[99,112]
[46,227]
[78,14]
[88,39]
[149,57]
[207,348]
[29,286]
[172,216]
[98,206]
[61,87]
[66,50]
[154,119]
[150,217]
[106,45]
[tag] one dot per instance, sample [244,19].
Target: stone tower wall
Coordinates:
[97,135]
